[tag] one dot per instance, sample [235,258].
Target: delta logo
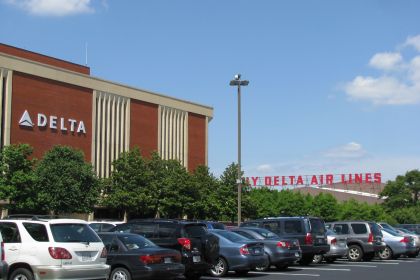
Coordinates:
[53,122]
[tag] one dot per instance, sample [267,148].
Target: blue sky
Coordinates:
[334,85]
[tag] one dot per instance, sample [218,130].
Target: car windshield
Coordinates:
[266,233]
[393,233]
[231,236]
[74,233]
[134,242]
[317,226]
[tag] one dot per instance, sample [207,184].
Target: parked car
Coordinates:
[213,224]
[53,249]
[309,231]
[364,239]
[237,253]
[338,248]
[104,226]
[4,267]
[411,227]
[281,252]
[396,245]
[132,256]
[199,249]
[415,236]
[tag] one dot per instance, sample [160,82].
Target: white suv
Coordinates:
[53,249]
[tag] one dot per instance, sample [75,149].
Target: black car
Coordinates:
[132,256]
[309,231]
[199,249]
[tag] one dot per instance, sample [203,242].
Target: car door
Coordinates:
[342,230]
[11,240]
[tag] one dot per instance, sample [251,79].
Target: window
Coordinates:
[359,228]
[245,234]
[10,233]
[317,226]
[110,242]
[341,229]
[293,227]
[73,233]
[96,227]
[123,228]
[107,227]
[195,231]
[147,230]
[134,242]
[266,233]
[272,226]
[167,230]
[37,231]
[231,236]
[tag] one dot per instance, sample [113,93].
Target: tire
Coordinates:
[317,258]
[242,272]
[385,254]
[120,273]
[306,260]
[220,269]
[265,266]
[22,274]
[330,260]
[282,266]
[355,253]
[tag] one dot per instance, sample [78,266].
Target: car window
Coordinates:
[266,233]
[107,227]
[359,228]
[73,233]
[376,229]
[10,233]
[167,230]
[218,226]
[123,228]
[250,224]
[195,230]
[134,242]
[293,226]
[110,242]
[232,236]
[147,230]
[95,226]
[393,233]
[341,229]
[245,234]
[37,231]
[272,226]
[317,226]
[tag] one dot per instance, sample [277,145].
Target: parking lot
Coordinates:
[403,268]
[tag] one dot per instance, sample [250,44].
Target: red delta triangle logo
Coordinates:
[53,122]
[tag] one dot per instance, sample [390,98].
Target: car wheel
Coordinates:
[318,258]
[385,254]
[120,273]
[22,274]
[306,260]
[330,260]
[242,272]
[220,269]
[265,266]
[282,266]
[355,253]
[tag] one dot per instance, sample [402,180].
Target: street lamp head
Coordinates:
[237,77]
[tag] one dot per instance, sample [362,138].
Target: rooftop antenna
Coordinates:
[86,54]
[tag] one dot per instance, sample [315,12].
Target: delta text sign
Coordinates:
[315,180]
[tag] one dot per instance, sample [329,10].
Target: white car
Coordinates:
[53,249]
[103,226]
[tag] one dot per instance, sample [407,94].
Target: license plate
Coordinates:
[297,254]
[86,256]
[196,258]
[257,251]
[321,240]
[167,260]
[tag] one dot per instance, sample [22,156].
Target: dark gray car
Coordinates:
[237,253]
[281,252]
[364,238]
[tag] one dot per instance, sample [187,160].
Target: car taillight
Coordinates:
[151,259]
[308,239]
[3,258]
[284,244]
[370,239]
[59,253]
[334,241]
[185,243]
[104,253]
[244,250]
[405,240]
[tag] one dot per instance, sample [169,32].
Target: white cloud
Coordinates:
[264,168]
[398,84]
[54,7]
[351,150]
[413,42]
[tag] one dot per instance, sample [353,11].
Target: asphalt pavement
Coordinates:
[403,268]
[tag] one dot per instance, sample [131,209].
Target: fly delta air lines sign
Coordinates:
[53,122]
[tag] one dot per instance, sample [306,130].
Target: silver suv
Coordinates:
[364,239]
[53,249]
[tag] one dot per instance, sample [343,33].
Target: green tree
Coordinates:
[290,203]
[325,206]
[17,181]
[127,189]
[264,199]
[412,182]
[228,193]
[65,182]
[402,192]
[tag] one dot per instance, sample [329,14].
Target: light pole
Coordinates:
[238,82]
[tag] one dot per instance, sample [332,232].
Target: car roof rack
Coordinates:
[31,217]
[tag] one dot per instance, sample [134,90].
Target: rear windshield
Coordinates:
[250,224]
[376,229]
[393,233]
[195,230]
[74,233]
[134,242]
[231,236]
[266,233]
[317,226]
[218,226]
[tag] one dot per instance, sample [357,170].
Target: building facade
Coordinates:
[46,101]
